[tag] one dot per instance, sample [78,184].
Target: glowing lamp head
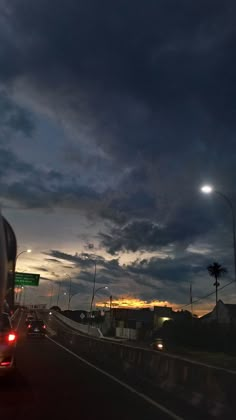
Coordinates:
[207,189]
[160,346]
[29,251]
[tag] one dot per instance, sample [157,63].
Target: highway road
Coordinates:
[52,383]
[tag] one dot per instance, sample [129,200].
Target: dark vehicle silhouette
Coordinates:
[36,328]
[7,345]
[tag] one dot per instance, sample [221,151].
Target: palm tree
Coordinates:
[216,270]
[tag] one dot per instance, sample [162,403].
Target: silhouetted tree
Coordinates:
[216,270]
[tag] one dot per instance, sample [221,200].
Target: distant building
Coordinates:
[226,314]
[162,314]
[133,324]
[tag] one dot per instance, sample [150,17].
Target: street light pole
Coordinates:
[21,295]
[24,300]
[50,303]
[208,190]
[91,306]
[94,284]
[18,255]
[100,288]
[22,252]
[59,289]
[69,298]
[97,290]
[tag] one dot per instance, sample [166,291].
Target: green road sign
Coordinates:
[26,279]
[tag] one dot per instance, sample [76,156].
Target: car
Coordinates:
[29,319]
[8,340]
[36,328]
[158,344]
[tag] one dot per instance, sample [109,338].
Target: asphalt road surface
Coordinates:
[52,383]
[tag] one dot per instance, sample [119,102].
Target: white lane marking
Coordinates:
[118,381]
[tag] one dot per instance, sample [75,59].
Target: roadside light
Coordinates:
[207,189]
[160,346]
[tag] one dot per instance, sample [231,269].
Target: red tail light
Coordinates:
[11,338]
[29,326]
[5,363]
[44,326]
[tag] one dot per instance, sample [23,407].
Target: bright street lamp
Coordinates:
[59,289]
[97,290]
[70,295]
[18,255]
[94,283]
[100,288]
[207,189]
[22,252]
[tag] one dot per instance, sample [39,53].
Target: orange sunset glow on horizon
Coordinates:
[135,303]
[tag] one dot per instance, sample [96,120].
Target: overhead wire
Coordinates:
[205,296]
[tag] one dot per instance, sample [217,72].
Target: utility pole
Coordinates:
[111,311]
[191,298]
[59,289]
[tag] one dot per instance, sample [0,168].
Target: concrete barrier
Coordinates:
[85,329]
[207,387]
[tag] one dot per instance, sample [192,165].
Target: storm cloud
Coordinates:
[121,111]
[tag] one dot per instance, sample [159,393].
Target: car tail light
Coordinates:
[5,363]
[29,326]
[44,327]
[11,338]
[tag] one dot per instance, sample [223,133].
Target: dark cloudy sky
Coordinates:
[112,114]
